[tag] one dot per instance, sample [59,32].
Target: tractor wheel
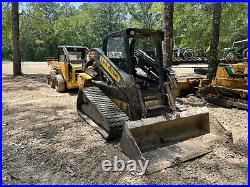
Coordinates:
[231,56]
[245,53]
[52,78]
[53,82]
[188,54]
[60,84]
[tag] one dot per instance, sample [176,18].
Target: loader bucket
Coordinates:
[168,140]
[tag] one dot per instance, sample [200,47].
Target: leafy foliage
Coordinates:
[6,31]
[44,26]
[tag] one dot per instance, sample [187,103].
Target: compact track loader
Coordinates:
[126,93]
[230,86]
[64,70]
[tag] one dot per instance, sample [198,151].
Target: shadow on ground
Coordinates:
[46,142]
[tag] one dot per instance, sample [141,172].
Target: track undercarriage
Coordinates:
[225,97]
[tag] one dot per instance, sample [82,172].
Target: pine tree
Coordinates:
[213,57]
[168,33]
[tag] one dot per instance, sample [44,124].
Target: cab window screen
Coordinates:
[116,48]
[75,55]
[61,55]
[147,45]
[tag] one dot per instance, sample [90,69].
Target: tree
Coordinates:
[44,26]
[6,31]
[16,45]
[142,15]
[190,25]
[168,33]
[234,23]
[103,18]
[213,57]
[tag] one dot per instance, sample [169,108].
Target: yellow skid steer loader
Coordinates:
[65,69]
[127,93]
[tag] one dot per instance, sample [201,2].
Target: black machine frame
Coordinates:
[133,88]
[134,34]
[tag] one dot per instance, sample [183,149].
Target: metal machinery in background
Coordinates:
[230,86]
[65,69]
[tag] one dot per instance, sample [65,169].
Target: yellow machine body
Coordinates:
[84,79]
[190,85]
[229,88]
[70,76]
[64,70]
[225,77]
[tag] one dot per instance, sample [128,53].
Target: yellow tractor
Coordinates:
[127,93]
[64,71]
[230,86]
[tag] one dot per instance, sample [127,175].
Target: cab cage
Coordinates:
[66,49]
[131,33]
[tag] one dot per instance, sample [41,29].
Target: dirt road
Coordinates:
[44,141]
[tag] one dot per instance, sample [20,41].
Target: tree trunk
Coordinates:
[16,45]
[168,33]
[213,57]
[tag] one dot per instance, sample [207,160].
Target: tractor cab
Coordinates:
[137,52]
[71,60]
[72,54]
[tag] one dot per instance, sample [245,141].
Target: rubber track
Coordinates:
[115,117]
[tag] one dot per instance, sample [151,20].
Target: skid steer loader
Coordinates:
[126,93]
[64,70]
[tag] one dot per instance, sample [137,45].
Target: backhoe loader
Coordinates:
[64,70]
[126,93]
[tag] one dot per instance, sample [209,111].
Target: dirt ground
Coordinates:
[44,141]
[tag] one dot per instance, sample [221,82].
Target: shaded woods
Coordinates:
[44,26]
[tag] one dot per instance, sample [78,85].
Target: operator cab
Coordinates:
[72,54]
[137,52]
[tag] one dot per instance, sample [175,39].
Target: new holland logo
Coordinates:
[113,73]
